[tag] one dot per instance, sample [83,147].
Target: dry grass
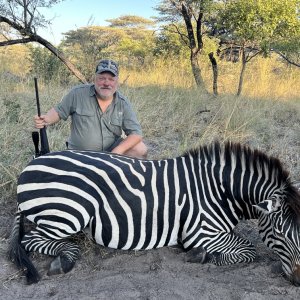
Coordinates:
[176,120]
[174,116]
[264,77]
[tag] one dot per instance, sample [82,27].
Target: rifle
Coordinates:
[43,134]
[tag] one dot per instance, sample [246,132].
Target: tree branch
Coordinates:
[286,58]
[176,5]
[249,56]
[30,36]
[13,24]
[14,42]
[183,37]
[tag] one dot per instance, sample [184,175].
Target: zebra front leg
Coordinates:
[66,252]
[223,249]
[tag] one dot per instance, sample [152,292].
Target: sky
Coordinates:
[73,14]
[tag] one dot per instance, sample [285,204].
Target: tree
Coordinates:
[289,50]
[87,45]
[126,39]
[137,40]
[168,43]
[253,27]
[287,42]
[47,66]
[130,21]
[193,13]
[24,17]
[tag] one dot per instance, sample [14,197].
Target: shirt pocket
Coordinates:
[115,125]
[84,112]
[84,118]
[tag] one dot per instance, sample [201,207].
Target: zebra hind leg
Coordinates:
[66,253]
[65,260]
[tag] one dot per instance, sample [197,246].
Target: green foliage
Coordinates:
[289,48]
[130,21]
[124,43]
[258,22]
[137,44]
[169,43]
[14,60]
[135,41]
[87,45]
[135,49]
[254,26]
[47,66]
[288,39]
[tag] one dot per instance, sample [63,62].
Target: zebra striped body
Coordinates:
[195,200]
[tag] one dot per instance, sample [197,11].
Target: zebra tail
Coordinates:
[17,253]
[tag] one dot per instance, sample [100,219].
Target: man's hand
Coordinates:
[133,146]
[39,122]
[50,118]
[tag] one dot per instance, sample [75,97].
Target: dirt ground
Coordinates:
[154,274]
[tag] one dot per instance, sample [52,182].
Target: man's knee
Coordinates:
[140,150]
[143,150]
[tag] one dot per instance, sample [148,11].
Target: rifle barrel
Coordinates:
[43,134]
[37,97]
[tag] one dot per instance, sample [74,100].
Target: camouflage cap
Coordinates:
[107,65]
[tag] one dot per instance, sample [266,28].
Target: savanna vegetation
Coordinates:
[202,70]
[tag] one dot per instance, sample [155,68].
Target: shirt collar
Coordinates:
[92,90]
[93,93]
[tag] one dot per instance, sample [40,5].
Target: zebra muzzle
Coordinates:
[295,278]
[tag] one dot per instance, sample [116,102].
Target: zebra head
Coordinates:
[279,222]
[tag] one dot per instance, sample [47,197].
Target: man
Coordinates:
[99,116]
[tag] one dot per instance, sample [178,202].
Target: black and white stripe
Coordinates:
[196,200]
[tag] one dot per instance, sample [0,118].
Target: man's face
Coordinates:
[106,85]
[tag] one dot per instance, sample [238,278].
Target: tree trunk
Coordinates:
[241,81]
[195,45]
[197,71]
[215,72]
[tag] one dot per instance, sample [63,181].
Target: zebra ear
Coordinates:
[267,206]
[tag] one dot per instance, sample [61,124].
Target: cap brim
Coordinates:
[105,70]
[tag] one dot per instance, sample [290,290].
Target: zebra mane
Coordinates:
[251,156]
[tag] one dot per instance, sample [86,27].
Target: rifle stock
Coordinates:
[36,141]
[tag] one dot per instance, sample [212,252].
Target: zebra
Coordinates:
[194,200]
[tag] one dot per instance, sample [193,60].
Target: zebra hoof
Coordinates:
[55,267]
[60,265]
[197,255]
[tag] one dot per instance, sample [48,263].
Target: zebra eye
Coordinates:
[279,233]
